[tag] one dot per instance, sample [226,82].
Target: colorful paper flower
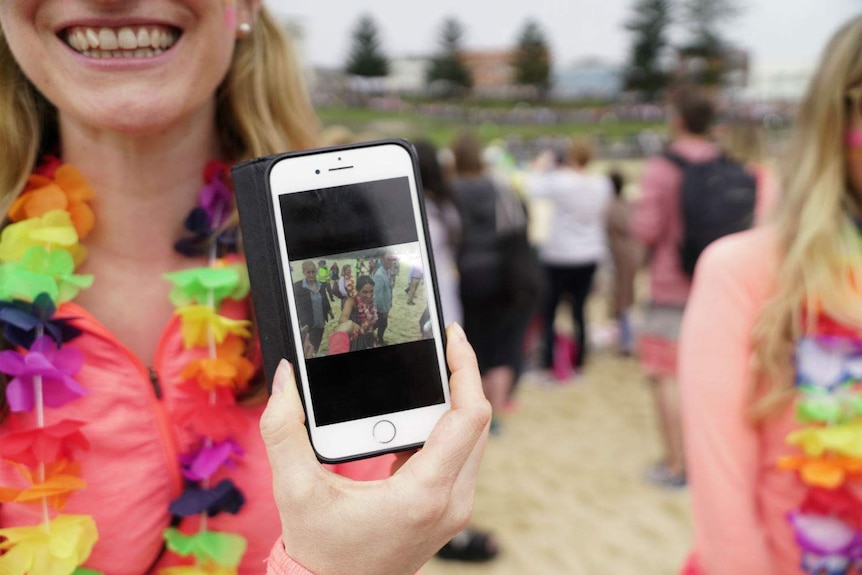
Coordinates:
[839,406]
[230,368]
[827,362]
[44,444]
[219,420]
[205,569]
[223,549]
[22,322]
[40,271]
[844,439]
[56,368]
[203,236]
[58,551]
[207,285]
[199,321]
[224,497]
[822,535]
[825,565]
[207,459]
[825,471]
[826,326]
[54,231]
[61,479]
[839,503]
[67,190]
[216,197]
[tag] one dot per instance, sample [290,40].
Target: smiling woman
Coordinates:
[129,437]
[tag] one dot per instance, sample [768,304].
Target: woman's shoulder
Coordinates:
[751,257]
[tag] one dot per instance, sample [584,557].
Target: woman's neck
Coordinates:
[145,186]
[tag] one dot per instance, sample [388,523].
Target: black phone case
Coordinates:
[265,269]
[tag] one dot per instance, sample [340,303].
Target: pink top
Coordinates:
[739,498]
[657,218]
[279,563]
[131,469]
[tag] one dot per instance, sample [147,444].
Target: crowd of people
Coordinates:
[750,331]
[364,303]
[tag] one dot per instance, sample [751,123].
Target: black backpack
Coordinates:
[717,198]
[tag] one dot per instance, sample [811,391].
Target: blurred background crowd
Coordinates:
[553,193]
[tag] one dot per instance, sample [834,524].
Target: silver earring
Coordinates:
[244,29]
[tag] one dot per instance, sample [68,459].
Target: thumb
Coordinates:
[282,427]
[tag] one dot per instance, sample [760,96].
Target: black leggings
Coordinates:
[576,281]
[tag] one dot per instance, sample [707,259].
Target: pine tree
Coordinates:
[447,67]
[703,20]
[366,56]
[532,60]
[649,25]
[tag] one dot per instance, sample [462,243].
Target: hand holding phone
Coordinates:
[371,373]
[335,525]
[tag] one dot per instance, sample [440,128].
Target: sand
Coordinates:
[562,487]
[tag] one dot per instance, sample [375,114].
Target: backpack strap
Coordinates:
[676,159]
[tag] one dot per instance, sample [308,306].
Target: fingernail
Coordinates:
[282,375]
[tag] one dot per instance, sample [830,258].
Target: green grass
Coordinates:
[372,124]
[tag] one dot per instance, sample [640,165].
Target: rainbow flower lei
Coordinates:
[828,522]
[39,253]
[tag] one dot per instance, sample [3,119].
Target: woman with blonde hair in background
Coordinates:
[133,435]
[770,354]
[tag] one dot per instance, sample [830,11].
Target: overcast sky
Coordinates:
[778,33]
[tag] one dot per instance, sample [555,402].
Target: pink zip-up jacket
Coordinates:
[131,469]
[740,499]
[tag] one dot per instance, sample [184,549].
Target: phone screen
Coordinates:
[367,336]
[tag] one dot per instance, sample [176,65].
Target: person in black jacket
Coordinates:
[312,308]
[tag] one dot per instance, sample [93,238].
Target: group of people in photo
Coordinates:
[365,298]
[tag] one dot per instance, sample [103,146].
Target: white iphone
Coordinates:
[360,297]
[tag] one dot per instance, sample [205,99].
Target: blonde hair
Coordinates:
[821,269]
[262,107]
[743,141]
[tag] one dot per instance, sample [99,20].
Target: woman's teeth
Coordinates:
[126,42]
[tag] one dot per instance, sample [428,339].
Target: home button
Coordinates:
[384,431]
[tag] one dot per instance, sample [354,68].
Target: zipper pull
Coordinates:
[154,380]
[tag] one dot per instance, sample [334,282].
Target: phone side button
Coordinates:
[384,431]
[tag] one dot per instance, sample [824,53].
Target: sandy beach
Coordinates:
[562,487]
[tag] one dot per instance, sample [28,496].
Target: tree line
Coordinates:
[447,73]
[648,71]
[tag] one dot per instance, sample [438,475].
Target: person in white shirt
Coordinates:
[576,241]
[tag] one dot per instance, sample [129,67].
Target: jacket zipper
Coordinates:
[154,381]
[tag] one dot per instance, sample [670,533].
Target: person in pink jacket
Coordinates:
[135,434]
[770,355]
[657,225]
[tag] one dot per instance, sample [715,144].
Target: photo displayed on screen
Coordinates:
[367,344]
[361,300]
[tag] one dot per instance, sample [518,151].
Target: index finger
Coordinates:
[282,427]
[460,429]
